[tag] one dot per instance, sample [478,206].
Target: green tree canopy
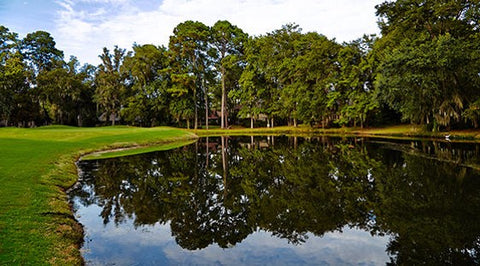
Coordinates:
[147,102]
[39,50]
[228,41]
[110,83]
[429,59]
[188,50]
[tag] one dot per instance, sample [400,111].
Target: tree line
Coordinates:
[423,69]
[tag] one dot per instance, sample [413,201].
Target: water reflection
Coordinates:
[424,196]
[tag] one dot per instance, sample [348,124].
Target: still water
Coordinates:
[284,201]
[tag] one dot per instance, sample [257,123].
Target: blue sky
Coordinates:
[23,16]
[83,27]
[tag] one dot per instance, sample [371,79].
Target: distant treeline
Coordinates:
[424,69]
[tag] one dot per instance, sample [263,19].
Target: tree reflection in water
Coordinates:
[426,195]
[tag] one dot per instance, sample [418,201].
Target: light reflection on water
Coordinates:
[123,244]
[283,201]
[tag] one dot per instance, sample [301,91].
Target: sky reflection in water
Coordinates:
[154,245]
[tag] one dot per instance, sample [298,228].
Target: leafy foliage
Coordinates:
[148,98]
[110,88]
[429,59]
[424,69]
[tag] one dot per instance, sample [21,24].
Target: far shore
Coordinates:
[396,131]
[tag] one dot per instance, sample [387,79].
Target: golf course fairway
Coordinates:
[37,166]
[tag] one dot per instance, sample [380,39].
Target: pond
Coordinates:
[284,201]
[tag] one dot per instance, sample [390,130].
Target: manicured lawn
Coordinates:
[36,166]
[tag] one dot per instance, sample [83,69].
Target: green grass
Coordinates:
[36,166]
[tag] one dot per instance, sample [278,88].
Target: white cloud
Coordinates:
[84,27]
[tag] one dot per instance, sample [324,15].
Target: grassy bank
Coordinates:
[36,166]
[398,131]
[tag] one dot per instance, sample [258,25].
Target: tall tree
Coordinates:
[12,73]
[228,40]
[355,82]
[261,67]
[16,105]
[40,51]
[41,55]
[291,74]
[188,48]
[110,86]
[67,92]
[147,104]
[284,53]
[311,79]
[252,83]
[8,42]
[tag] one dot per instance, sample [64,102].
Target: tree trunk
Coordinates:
[226,111]
[188,123]
[272,122]
[295,122]
[206,114]
[206,103]
[195,122]
[223,124]
[251,121]
[113,117]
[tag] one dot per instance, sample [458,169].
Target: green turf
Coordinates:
[36,166]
